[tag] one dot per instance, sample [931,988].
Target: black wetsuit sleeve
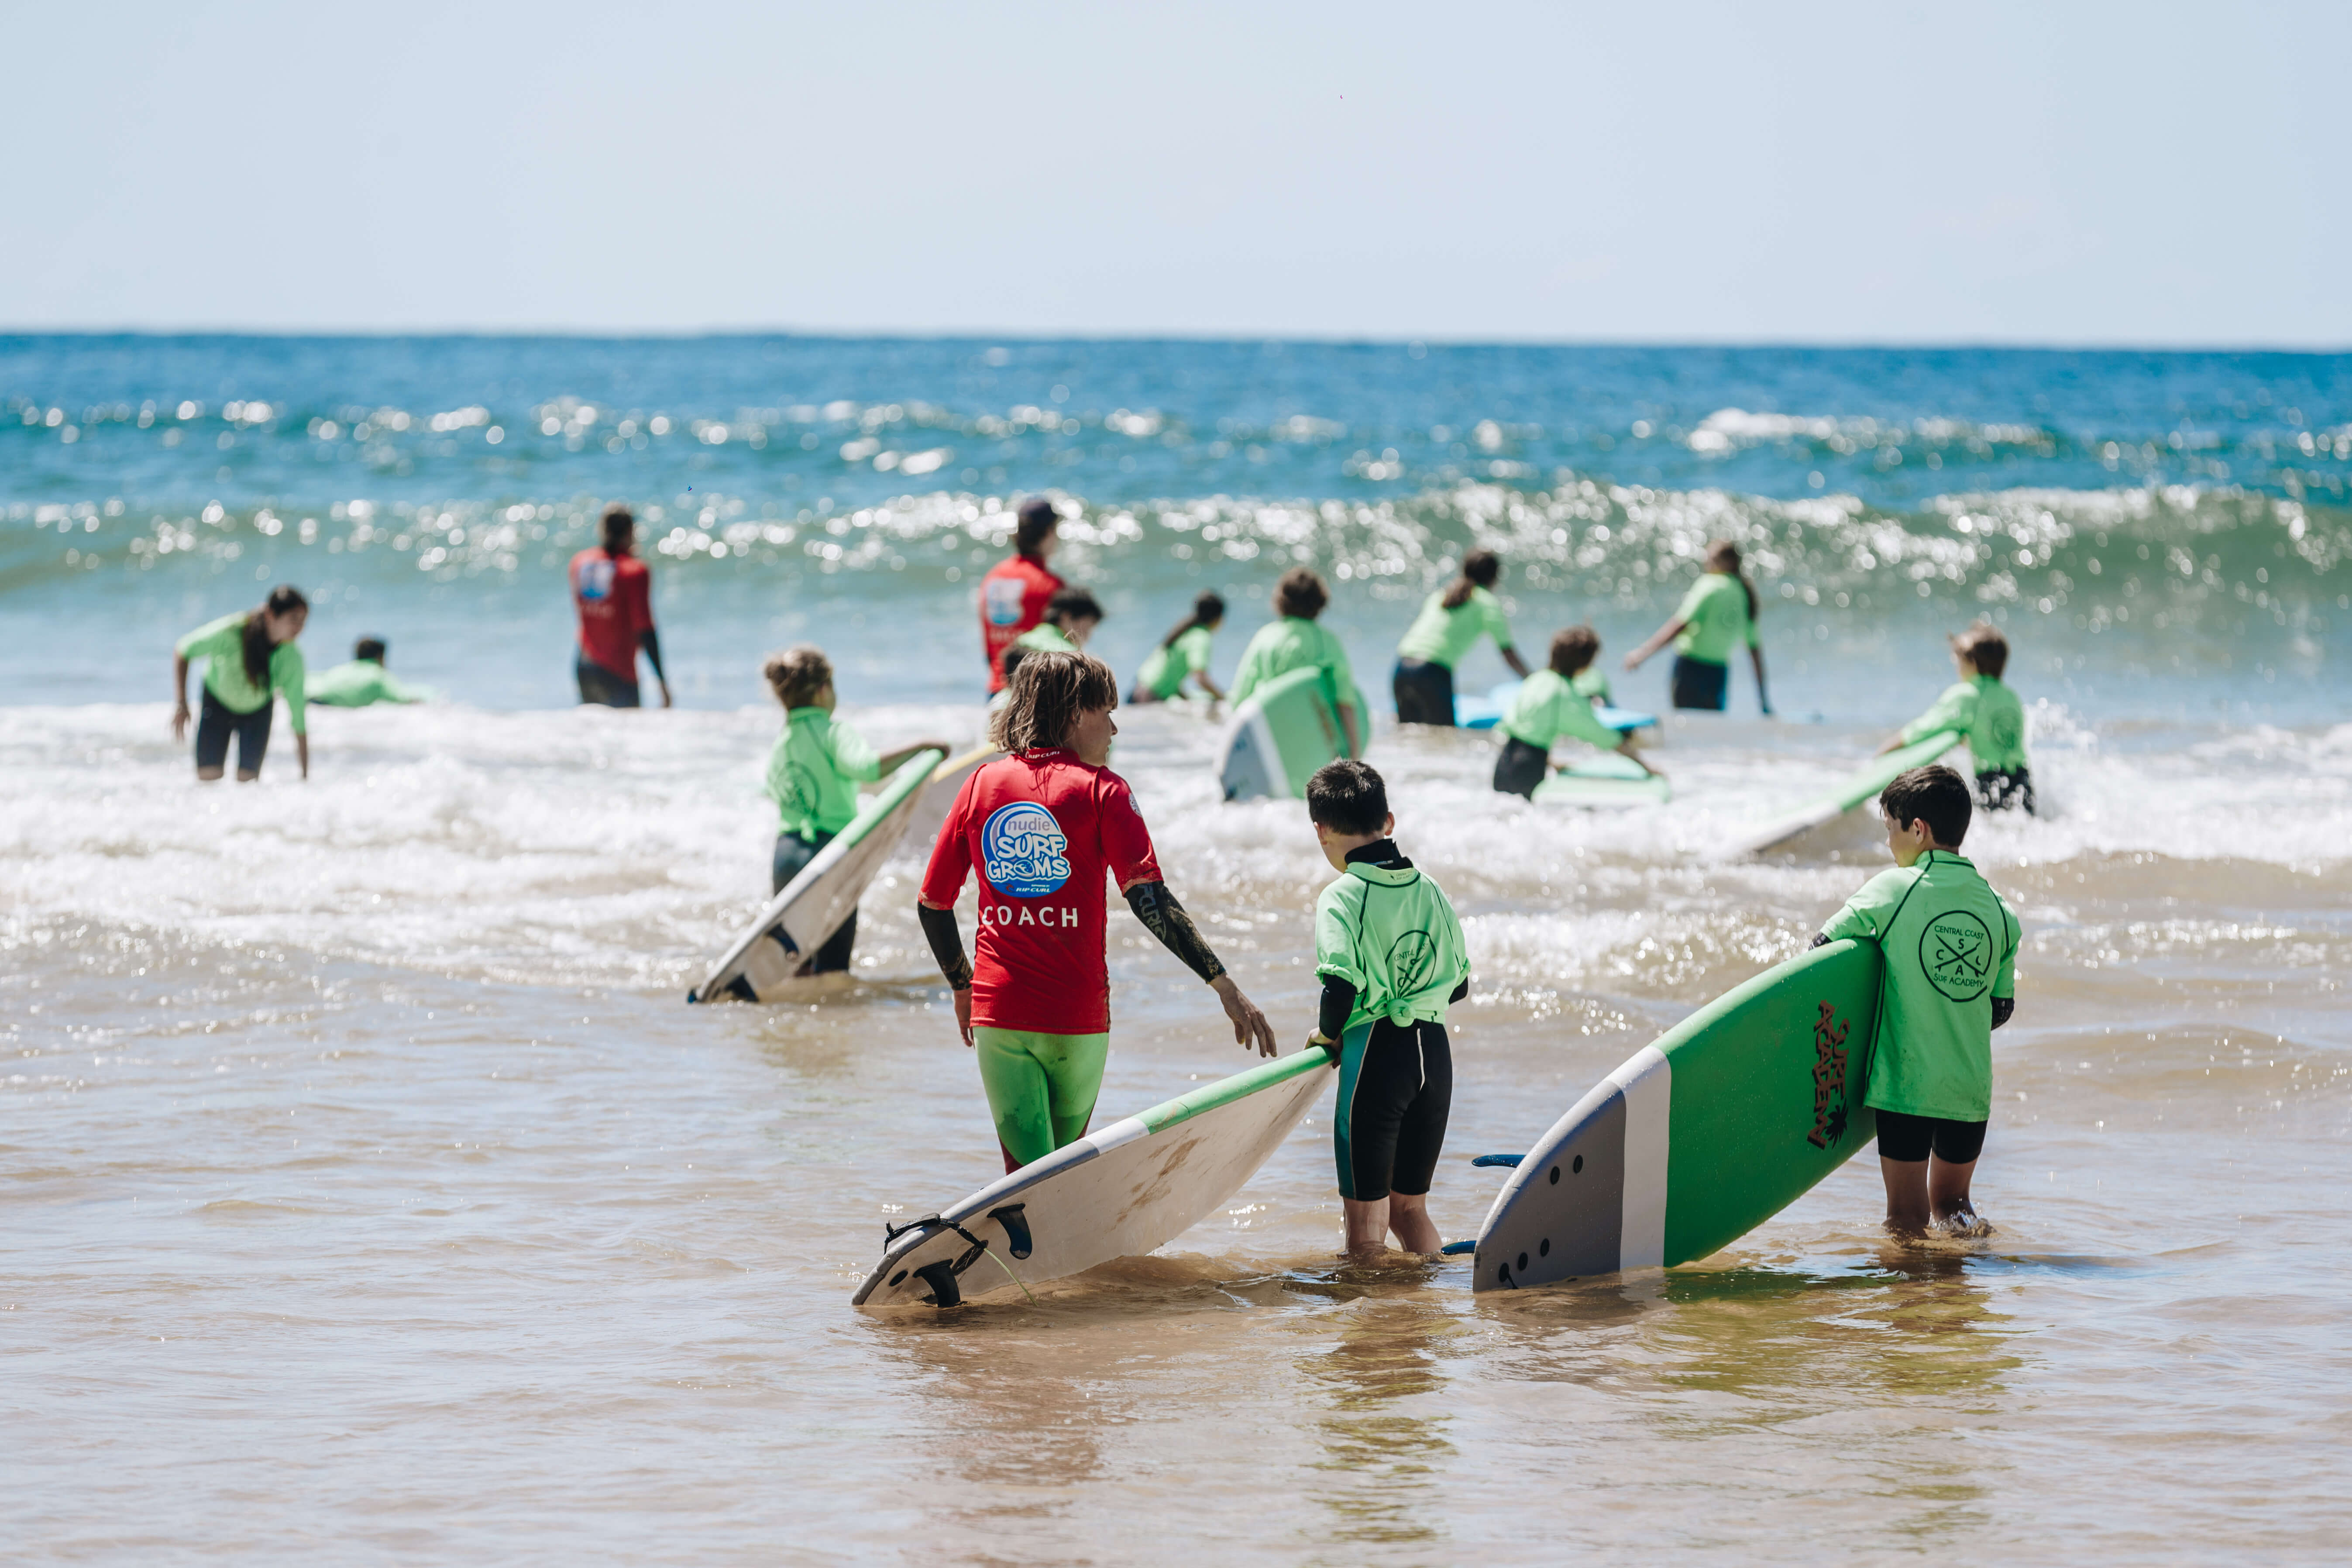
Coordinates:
[1821,939]
[1459,991]
[1164,918]
[650,640]
[2002,1006]
[1339,1002]
[947,944]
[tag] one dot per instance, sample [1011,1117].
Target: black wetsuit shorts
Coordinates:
[603,688]
[791,856]
[1394,1093]
[1520,767]
[218,721]
[1998,789]
[1910,1137]
[1424,692]
[1699,684]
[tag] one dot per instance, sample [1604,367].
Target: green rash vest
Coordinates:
[221,645]
[1591,684]
[1394,935]
[813,772]
[1950,946]
[1292,643]
[1045,638]
[1440,636]
[1548,706]
[1984,711]
[357,684]
[1715,619]
[1165,669]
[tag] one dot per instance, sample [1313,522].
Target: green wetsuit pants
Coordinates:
[1040,1087]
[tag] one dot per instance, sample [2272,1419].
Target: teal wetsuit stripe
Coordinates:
[1351,1066]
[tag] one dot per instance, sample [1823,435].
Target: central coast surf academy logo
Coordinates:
[1023,851]
[1413,959]
[1829,1078]
[1956,953]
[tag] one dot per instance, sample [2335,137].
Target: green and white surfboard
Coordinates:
[1863,785]
[1701,1136]
[1123,1192]
[1288,728]
[1607,779]
[770,952]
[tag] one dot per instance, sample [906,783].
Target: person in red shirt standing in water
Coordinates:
[1012,596]
[1043,825]
[614,592]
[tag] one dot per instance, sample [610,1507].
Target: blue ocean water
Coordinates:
[2159,532]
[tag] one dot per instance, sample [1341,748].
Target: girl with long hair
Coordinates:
[250,660]
[1184,651]
[1451,621]
[1717,615]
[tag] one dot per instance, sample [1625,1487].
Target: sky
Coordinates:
[2150,174]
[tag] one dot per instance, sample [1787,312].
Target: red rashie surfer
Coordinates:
[1044,827]
[1014,595]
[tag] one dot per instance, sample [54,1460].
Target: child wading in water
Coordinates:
[1551,704]
[1389,951]
[1985,711]
[1950,947]
[812,776]
[1182,652]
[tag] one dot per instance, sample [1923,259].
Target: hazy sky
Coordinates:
[2040,173]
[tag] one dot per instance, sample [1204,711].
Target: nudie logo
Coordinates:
[1829,1078]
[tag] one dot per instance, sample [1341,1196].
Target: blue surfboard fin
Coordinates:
[1456,1248]
[1499,1159]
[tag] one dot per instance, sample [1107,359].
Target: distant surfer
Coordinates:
[1982,708]
[1550,706]
[1389,954]
[250,661]
[1451,621]
[1042,827]
[1183,654]
[1716,617]
[1296,640]
[1014,595]
[614,593]
[813,772]
[361,681]
[1067,626]
[1949,944]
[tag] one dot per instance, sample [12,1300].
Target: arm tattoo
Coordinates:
[947,944]
[1164,918]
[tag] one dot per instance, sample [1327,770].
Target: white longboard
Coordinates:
[1863,785]
[769,952]
[1123,1192]
[1284,731]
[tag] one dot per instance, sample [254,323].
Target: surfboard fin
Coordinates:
[1456,1248]
[1499,1159]
[1015,1221]
[942,1277]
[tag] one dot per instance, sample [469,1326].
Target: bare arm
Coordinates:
[1209,686]
[892,762]
[1658,639]
[303,752]
[650,640]
[1763,700]
[179,697]
[1519,666]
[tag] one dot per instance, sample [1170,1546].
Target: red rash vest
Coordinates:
[1012,600]
[615,597]
[1045,831]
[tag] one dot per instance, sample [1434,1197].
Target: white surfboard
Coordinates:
[1123,1192]
[1863,785]
[797,921]
[1284,730]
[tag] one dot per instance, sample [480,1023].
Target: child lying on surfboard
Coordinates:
[1389,951]
[1551,705]
[1950,948]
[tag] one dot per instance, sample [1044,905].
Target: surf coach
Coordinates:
[1043,825]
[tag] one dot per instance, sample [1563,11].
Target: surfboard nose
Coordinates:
[1561,1215]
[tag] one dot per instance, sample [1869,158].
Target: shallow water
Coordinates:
[371,1193]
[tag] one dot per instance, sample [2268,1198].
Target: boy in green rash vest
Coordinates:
[1071,617]
[1295,640]
[250,660]
[1986,711]
[812,776]
[1389,951]
[1716,617]
[1183,652]
[361,681]
[1451,621]
[1547,707]
[1950,948]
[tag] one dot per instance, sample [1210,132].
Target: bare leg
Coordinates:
[208,775]
[1907,1196]
[1409,1218]
[1948,1195]
[1367,1227]
[243,777]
